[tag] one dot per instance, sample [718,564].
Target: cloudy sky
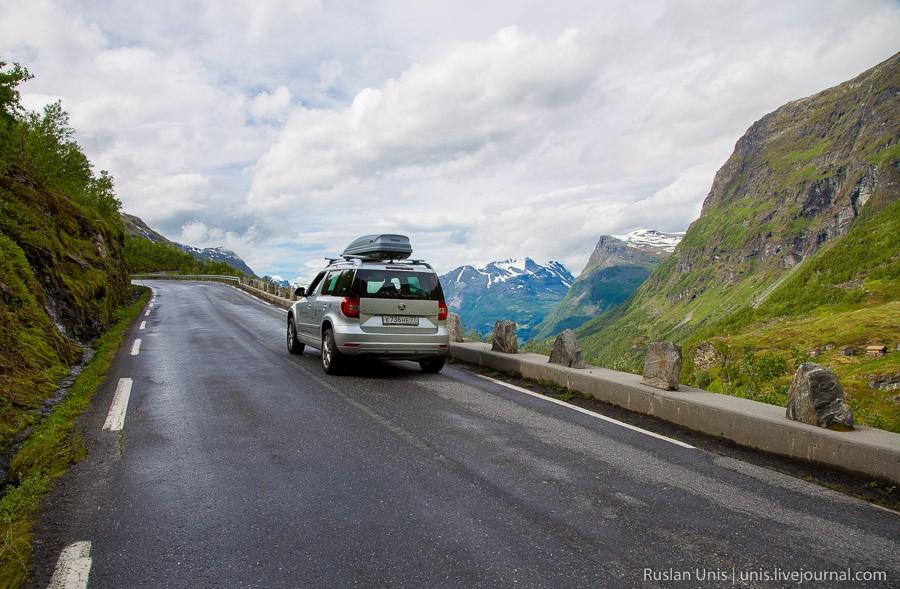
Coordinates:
[282,129]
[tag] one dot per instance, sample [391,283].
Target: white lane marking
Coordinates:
[147,314]
[136,347]
[586,412]
[115,419]
[150,303]
[143,325]
[73,567]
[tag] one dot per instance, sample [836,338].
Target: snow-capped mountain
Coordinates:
[521,290]
[649,240]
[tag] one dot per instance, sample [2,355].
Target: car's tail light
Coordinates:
[350,307]
[442,311]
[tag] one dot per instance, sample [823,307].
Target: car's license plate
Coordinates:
[399,320]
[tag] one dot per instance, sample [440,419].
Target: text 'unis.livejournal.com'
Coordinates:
[777,575]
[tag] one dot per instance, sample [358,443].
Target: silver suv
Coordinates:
[382,309]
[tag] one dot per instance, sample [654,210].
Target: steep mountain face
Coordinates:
[616,268]
[520,290]
[788,199]
[135,227]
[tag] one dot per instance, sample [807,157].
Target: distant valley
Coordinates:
[544,299]
[519,290]
[616,268]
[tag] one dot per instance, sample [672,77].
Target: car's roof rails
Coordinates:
[358,261]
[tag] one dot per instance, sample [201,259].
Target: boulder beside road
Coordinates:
[505,338]
[817,398]
[454,326]
[566,350]
[662,366]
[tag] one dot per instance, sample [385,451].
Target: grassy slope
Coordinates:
[846,295]
[55,444]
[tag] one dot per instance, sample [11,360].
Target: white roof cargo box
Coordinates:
[386,246]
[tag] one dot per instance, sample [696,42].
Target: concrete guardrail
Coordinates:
[864,450]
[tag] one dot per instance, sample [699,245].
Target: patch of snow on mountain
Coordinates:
[651,238]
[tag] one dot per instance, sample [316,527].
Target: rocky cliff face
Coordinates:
[797,183]
[618,265]
[798,179]
[75,256]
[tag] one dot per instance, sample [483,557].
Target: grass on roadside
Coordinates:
[55,445]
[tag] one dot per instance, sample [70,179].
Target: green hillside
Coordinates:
[62,275]
[845,296]
[798,229]
[142,255]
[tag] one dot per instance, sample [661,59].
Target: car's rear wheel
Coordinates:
[332,360]
[294,345]
[432,365]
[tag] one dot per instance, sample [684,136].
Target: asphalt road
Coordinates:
[242,466]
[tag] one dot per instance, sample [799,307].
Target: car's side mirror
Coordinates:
[300,292]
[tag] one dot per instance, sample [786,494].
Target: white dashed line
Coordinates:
[136,347]
[143,325]
[115,419]
[586,412]
[73,567]
[147,314]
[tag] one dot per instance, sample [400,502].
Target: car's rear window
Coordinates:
[397,284]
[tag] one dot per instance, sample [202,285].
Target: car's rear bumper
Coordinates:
[352,341]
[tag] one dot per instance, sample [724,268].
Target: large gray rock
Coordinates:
[566,350]
[505,338]
[662,366]
[817,398]
[454,326]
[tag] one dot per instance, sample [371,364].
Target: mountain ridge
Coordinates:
[136,227]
